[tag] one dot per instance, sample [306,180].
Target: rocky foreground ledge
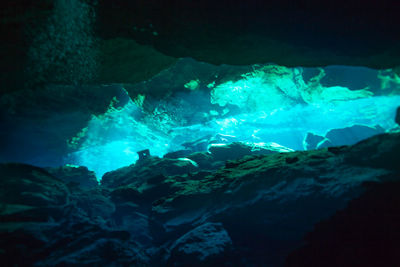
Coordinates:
[335,206]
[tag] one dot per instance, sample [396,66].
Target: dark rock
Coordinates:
[338,149]
[178,154]
[324,144]
[365,233]
[352,135]
[127,217]
[253,212]
[255,33]
[314,141]
[142,194]
[397,119]
[381,151]
[339,137]
[203,159]
[95,205]
[198,145]
[51,244]
[119,62]
[206,245]
[43,223]
[311,141]
[75,174]
[125,39]
[144,154]
[222,139]
[103,251]
[147,168]
[30,30]
[291,160]
[258,198]
[29,193]
[126,194]
[237,150]
[233,163]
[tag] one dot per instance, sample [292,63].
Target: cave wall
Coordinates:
[290,33]
[130,41]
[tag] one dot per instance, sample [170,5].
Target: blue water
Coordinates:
[112,139]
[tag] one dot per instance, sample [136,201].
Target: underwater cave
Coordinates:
[206,133]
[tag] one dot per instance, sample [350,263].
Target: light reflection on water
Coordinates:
[111,141]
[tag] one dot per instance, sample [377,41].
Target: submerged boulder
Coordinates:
[178,154]
[237,150]
[339,137]
[70,244]
[353,134]
[205,160]
[28,193]
[199,144]
[44,223]
[147,169]
[381,151]
[206,245]
[202,144]
[253,211]
[324,144]
[79,175]
[128,217]
[268,202]
[312,140]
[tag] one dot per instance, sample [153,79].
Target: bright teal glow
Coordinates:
[110,141]
[273,104]
[273,87]
[288,126]
[113,141]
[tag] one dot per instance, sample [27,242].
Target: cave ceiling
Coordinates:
[290,33]
[138,39]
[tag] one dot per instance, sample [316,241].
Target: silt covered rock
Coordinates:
[78,175]
[208,244]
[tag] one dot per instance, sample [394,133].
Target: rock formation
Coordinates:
[132,41]
[253,211]
[208,85]
[340,137]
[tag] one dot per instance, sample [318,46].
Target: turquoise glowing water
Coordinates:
[112,139]
[259,103]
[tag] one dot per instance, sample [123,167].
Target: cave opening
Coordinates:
[199,133]
[295,108]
